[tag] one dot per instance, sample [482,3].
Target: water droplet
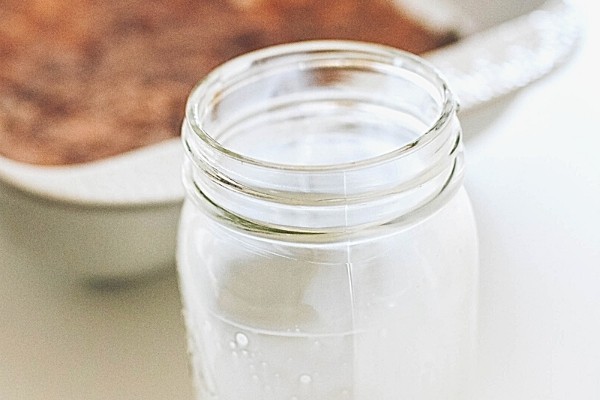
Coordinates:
[252,367]
[241,339]
[245,353]
[255,378]
[232,345]
[305,379]
[263,364]
[316,343]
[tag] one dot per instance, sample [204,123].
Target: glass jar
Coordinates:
[327,249]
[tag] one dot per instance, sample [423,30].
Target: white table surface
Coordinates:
[534,178]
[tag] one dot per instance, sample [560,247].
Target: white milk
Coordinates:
[390,318]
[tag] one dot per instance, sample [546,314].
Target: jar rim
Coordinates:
[394,57]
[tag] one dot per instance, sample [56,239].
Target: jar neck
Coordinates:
[374,138]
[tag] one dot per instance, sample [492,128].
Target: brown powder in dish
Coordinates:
[82,80]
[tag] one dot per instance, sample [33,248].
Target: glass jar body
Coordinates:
[387,313]
[327,249]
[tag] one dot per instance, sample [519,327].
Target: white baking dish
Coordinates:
[110,219]
[117,218]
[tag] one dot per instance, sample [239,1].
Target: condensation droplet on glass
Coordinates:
[245,353]
[241,339]
[232,345]
[255,377]
[305,379]
[264,364]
